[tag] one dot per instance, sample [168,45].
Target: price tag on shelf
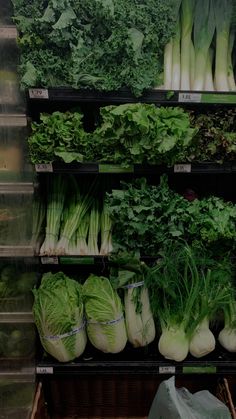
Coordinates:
[44,370]
[49,260]
[167,370]
[182,168]
[44,168]
[190,97]
[38,94]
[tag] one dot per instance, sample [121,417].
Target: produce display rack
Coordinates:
[17,372]
[145,361]
[131,361]
[136,169]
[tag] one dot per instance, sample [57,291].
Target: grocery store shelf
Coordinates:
[14,188]
[16,251]
[8,32]
[13,120]
[137,361]
[16,317]
[86,168]
[124,96]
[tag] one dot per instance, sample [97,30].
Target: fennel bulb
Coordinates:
[227,338]
[105,322]
[173,343]
[140,325]
[203,340]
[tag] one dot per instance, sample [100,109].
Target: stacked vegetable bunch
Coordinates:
[188,290]
[135,134]
[176,299]
[76,223]
[81,44]
[126,134]
[201,54]
[66,312]
[147,217]
[216,135]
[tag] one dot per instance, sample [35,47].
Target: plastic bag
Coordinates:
[172,403]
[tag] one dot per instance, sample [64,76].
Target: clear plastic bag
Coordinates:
[173,403]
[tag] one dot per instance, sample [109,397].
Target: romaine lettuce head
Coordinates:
[105,322]
[58,310]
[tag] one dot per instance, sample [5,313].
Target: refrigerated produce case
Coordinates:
[17,270]
[95,385]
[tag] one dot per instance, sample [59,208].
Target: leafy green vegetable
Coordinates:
[216,135]
[59,134]
[142,133]
[126,134]
[146,217]
[82,44]
[58,314]
[105,322]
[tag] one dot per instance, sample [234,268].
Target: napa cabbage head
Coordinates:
[104,313]
[59,317]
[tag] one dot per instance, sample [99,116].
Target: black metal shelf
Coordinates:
[95,168]
[138,361]
[65,94]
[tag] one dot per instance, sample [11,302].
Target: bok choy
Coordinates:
[128,273]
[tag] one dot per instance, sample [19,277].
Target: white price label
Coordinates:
[49,260]
[38,94]
[190,97]
[44,168]
[8,32]
[182,168]
[167,370]
[44,370]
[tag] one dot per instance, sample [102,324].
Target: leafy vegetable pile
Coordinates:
[177,303]
[136,133]
[126,134]
[76,223]
[201,54]
[97,44]
[146,217]
[187,289]
[216,135]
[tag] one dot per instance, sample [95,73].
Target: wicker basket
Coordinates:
[224,394]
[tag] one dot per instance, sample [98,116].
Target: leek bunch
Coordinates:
[200,55]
